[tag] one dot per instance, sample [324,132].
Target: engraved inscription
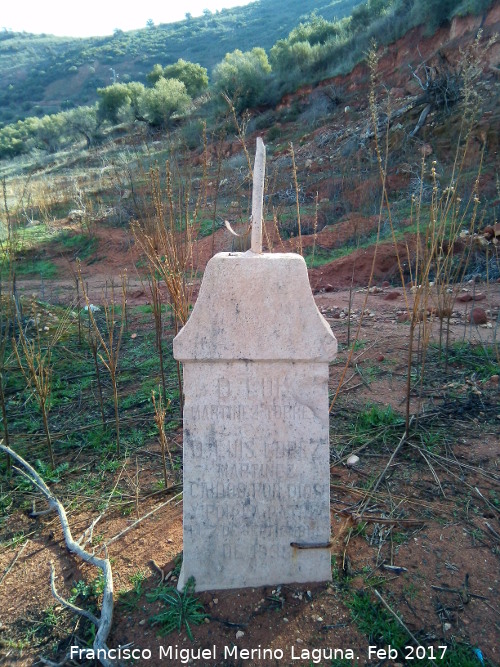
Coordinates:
[217,412]
[227,448]
[259,467]
[253,490]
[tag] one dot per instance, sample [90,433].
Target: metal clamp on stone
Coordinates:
[255,356]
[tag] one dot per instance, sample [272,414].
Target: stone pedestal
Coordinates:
[255,355]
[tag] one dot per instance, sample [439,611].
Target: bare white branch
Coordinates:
[103,623]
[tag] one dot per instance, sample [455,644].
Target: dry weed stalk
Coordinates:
[166,239]
[156,305]
[219,151]
[381,160]
[297,202]
[34,357]
[7,309]
[111,345]
[85,207]
[168,245]
[241,129]
[315,227]
[93,343]
[6,320]
[439,224]
[372,61]
[160,413]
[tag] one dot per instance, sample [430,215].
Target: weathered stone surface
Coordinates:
[255,356]
[255,307]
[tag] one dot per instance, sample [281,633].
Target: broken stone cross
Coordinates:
[255,355]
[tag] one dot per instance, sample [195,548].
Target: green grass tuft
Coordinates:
[182,609]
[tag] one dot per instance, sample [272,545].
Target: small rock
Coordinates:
[380,357]
[215,600]
[143,622]
[240,634]
[392,296]
[207,620]
[299,641]
[447,627]
[480,297]
[386,284]
[319,619]
[134,335]
[465,298]
[478,316]
[285,620]
[352,461]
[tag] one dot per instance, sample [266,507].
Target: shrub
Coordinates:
[192,134]
[113,100]
[243,77]
[167,98]
[192,75]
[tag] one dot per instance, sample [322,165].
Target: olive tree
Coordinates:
[243,77]
[167,98]
[192,75]
[113,101]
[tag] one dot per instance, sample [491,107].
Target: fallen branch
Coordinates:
[103,624]
[4,576]
[492,530]
[34,514]
[132,525]
[410,634]
[357,518]
[460,592]
[421,120]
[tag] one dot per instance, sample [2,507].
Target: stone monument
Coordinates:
[255,355]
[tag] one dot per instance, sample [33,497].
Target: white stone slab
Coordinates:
[255,356]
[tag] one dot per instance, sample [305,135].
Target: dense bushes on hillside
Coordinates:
[51,132]
[315,49]
[29,64]
[318,49]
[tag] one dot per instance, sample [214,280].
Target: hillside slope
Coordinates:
[43,74]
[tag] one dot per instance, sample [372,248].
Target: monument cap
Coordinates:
[255,307]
